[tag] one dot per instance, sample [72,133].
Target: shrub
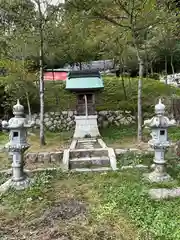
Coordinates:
[118,94]
[114,96]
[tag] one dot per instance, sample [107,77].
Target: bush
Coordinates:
[114,97]
[118,94]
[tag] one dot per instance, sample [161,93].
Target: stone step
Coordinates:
[89,152]
[101,169]
[89,162]
[87,140]
[88,146]
[83,150]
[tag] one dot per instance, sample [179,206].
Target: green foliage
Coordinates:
[57,98]
[112,97]
[174,134]
[154,76]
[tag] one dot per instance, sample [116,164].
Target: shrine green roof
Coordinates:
[84,80]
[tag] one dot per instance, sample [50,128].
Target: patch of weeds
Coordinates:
[111,134]
[5,162]
[3,137]
[20,200]
[174,133]
[62,136]
[3,178]
[134,158]
[127,193]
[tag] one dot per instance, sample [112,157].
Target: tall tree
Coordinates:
[46,12]
[134,18]
[26,20]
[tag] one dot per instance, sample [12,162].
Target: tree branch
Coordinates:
[147,26]
[110,19]
[123,7]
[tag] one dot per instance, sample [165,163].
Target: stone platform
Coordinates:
[89,154]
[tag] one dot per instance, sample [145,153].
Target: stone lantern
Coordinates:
[16,147]
[159,125]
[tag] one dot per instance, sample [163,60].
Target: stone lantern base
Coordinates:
[158,175]
[17,185]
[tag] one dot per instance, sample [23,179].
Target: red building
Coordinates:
[56,74]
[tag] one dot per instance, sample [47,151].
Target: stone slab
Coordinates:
[164,193]
[157,178]
[120,151]
[56,157]
[89,162]
[19,185]
[101,169]
[81,153]
[112,158]
[139,166]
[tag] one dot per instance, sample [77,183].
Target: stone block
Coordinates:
[120,151]
[56,157]
[31,157]
[94,162]
[164,193]
[104,119]
[44,157]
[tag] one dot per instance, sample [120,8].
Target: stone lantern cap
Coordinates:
[18,109]
[159,121]
[18,121]
[160,108]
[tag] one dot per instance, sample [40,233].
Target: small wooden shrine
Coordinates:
[85,84]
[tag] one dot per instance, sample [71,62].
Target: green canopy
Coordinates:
[84,80]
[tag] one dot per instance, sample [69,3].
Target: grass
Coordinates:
[72,206]
[116,137]
[105,206]
[120,137]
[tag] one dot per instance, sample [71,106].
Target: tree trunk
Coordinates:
[139,103]
[165,69]
[29,105]
[80,65]
[172,65]
[56,95]
[123,83]
[41,77]
[151,66]
[86,106]
[139,115]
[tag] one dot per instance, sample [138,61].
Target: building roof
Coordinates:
[84,80]
[57,75]
[57,70]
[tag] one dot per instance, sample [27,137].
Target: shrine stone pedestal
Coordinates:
[86,126]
